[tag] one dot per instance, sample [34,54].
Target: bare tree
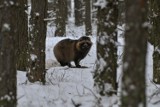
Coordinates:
[154,38]
[22,36]
[105,74]
[61,17]
[37,37]
[88,27]
[8,80]
[133,80]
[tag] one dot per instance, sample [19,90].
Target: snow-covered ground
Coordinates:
[68,86]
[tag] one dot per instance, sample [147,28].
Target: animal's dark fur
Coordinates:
[68,50]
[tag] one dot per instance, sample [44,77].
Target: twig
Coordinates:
[21,97]
[78,91]
[25,82]
[51,82]
[98,98]
[120,29]
[154,84]
[156,92]
[157,102]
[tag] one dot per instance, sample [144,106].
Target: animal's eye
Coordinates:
[85,44]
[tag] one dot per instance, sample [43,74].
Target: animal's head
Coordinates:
[84,43]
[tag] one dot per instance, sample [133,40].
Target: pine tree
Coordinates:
[22,36]
[88,27]
[8,80]
[37,37]
[154,38]
[61,17]
[78,12]
[134,61]
[106,73]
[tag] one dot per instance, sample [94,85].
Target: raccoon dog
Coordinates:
[68,50]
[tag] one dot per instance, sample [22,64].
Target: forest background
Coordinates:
[123,63]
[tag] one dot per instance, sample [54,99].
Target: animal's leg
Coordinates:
[77,63]
[69,64]
[62,63]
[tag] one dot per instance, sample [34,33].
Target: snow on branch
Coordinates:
[101,3]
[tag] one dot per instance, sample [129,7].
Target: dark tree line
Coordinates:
[82,15]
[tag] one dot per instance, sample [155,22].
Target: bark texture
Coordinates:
[134,61]
[22,36]
[61,17]
[8,80]
[37,37]
[78,12]
[154,38]
[105,74]
[88,27]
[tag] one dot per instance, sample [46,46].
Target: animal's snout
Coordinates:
[85,45]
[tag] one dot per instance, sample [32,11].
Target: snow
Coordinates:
[6,97]
[33,57]
[101,3]
[11,2]
[157,49]
[6,27]
[108,87]
[37,14]
[101,64]
[66,87]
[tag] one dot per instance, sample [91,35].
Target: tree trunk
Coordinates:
[105,74]
[61,17]
[69,6]
[121,12]
[88,28]
[134,61]
[22,36]
[37,39]
[78,12]
[94,10]
[8,80]
[154,38]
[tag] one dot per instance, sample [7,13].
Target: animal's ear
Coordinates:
[90,43]
[81,38]
[84,38]
[89,38]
